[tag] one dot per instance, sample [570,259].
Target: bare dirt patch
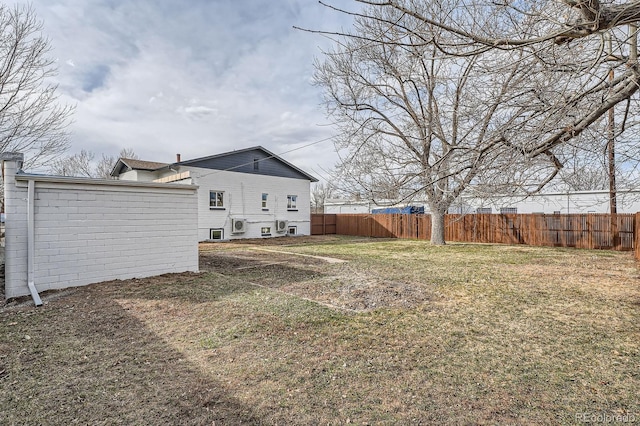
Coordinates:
[318,278]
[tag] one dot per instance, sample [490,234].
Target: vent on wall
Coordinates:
[281,225]
[238,226]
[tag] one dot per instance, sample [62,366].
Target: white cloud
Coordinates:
[197,77]
[198,111]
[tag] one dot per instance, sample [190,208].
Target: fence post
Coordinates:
[614,232]
[324,224]
[636,236]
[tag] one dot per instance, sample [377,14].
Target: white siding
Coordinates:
[139,175]
[129,175]
[628,201]
[573,202]
[347,206]
[242,200]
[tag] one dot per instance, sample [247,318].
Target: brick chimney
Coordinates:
[177,158]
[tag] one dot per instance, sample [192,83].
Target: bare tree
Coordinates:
[583,175]
[560,21]
[106,163]
[545,83]
[104,167]
[419,121]
[75,165]
[586,158]
[585,163]
[31,120]
[320,193]
[82,164]
[127,153]
[564,39]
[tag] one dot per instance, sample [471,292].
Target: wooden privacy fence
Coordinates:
[323,224]
[589,231]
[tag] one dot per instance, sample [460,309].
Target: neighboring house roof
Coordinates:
[254,160]
[244,160]
[132,164]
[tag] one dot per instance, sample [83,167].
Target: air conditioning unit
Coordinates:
[281,225]
[238,226]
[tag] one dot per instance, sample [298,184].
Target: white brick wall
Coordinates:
[243,198]
[89,231]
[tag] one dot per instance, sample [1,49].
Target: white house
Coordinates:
[248,193]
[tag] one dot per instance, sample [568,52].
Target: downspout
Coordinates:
[31,238]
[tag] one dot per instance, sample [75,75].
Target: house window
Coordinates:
[484,210]
[292,230]
[216,234]
[264,201]
[292,202]
[256,164]
[508,210]
[216,199]
[265,231]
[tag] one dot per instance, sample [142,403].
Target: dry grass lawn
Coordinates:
[275,332]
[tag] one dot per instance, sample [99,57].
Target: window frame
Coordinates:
[265,201]
[265,231]
[212,230]
[294,228]
[219,193]
[292,203]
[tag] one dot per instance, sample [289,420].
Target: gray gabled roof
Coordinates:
[241,160]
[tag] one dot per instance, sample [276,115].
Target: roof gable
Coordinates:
[254,160]
[126,164]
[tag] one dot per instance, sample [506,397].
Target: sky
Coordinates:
[197,77]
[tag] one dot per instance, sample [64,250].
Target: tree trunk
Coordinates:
[437,228]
